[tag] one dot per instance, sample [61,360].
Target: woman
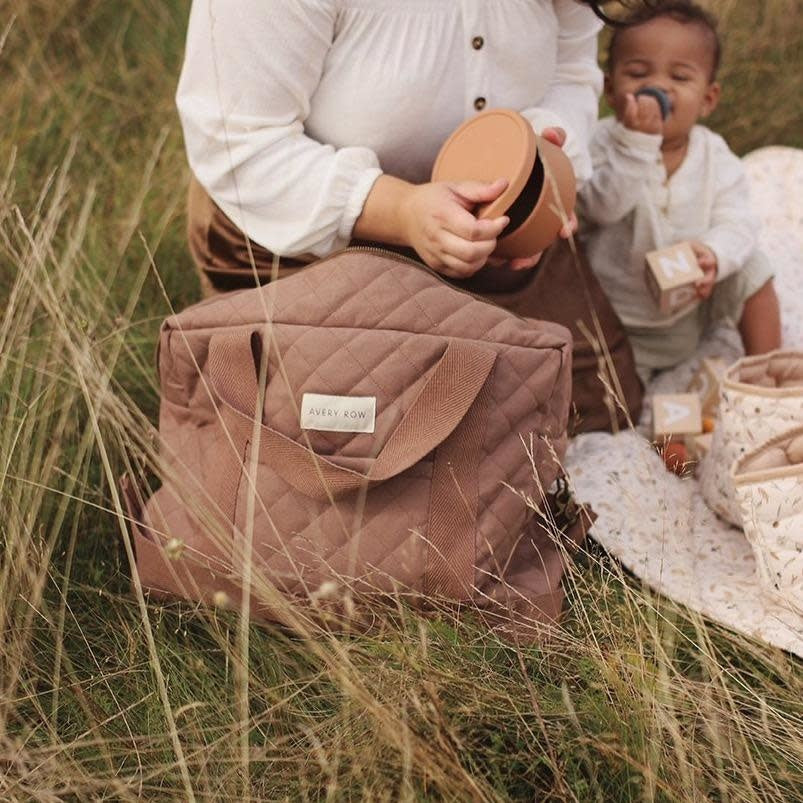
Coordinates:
[313,123]
[310,123]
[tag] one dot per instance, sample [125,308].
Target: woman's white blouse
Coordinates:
[292,108]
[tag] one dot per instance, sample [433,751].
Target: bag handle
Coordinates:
[441,405]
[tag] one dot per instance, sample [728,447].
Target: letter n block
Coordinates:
[671,275]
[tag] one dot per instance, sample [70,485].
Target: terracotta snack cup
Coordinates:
[541,191]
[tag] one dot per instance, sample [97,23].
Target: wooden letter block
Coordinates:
[671,276]
[706,385]
[677,414]
[699,445]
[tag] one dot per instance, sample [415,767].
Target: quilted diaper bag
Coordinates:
[359,425]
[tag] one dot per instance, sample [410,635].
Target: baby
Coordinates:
[662,180]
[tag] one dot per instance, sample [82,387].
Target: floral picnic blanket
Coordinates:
[658,524]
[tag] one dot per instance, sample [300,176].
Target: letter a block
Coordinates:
[676,415]
[671,276]
[700,445]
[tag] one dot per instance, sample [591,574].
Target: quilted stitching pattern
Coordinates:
[772,514]
[380,327]
[748,417]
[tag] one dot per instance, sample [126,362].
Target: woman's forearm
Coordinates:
[383,214]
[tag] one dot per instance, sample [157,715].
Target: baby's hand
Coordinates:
[707,260]
[642,113]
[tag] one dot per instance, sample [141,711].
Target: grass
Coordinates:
[101,698]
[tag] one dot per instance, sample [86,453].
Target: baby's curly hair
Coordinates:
[684,11]
[597,6]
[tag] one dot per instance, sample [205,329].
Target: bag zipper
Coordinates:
[397,257]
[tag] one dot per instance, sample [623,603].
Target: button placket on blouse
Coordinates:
[477,81]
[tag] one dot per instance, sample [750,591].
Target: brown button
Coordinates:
[479,104]
[477,42]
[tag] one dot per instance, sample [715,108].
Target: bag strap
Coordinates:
[451,536]
[443,402]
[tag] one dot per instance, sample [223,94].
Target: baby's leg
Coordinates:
[748,296]
[760,324]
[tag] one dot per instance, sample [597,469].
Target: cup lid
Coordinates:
[497,143]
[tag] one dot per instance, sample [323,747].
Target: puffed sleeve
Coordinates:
[249,72]
[571,100]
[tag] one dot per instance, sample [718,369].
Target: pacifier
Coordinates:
[663,99]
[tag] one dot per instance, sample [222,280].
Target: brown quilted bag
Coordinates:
[470,407]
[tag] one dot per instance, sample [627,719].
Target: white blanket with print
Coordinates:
[657,524]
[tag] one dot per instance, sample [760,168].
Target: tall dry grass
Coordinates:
[105,697]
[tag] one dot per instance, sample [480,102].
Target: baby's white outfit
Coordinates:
[630,207]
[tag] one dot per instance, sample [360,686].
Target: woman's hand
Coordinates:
[437,220]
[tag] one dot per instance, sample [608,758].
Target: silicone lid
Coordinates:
[498,143]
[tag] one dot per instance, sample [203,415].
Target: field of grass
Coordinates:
[104,698]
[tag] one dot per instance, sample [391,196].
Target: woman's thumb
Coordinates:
[479,192]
